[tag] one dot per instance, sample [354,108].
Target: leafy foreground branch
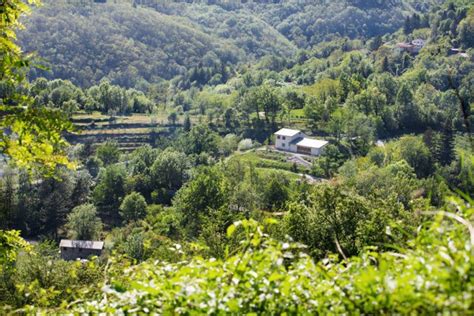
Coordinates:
[30,136]
[434,274]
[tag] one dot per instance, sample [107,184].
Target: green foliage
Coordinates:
[187,124]
[200,139]
[138,52]
[33,140]
[229,144]
[40,207]
[466,30]
[83,223]
[108,153]
[373,242]
[328,163]
[104,97]
[133,207]
[172,118]
[205,192]
[275,193]
[291,282]
[336,220]
[109,192]
[416,153]
[42,280]
[170,170]
[10,244]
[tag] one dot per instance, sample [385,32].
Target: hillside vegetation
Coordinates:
[136,45]
[172,162]
[86,44]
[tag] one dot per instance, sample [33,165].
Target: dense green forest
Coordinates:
[170,109]
[137,45]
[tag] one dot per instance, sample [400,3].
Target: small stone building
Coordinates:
[80,249]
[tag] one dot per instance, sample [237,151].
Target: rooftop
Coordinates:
[83,244]
[404,45]
[287,132]
[312,143]
[296,140]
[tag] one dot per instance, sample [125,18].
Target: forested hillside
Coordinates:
[123,44]
[144,170]
[145,43]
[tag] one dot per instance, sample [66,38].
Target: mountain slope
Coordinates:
[136,45]
[129,45]
[85,45]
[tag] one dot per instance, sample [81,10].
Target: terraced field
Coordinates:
[135,130]
[129,132]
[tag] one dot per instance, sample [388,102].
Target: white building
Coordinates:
[418,42]
[296,141]
[412,47]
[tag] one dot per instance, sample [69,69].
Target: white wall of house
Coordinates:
[293,148]
[283,142]
[317,151]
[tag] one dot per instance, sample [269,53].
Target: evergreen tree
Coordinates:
[407,26]
[385,66]
[407,113]
[376,43]
[187,123]
[447,144]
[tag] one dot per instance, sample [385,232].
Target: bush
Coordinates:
[432,276]
[245,144]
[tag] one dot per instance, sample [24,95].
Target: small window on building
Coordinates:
[278,137]
[282,145]
[284,138]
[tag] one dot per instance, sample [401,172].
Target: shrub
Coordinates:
[245,144]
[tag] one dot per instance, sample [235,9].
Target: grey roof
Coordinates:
[83,244]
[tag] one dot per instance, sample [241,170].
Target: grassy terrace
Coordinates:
[270,162]
[128,131]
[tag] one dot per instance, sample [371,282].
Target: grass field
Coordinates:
[268,162]
[297,113]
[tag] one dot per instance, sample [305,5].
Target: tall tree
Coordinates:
[207,191]
[133,207]
[447,144]
[187,123]
[8,199]
[109,192]
[83,223]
